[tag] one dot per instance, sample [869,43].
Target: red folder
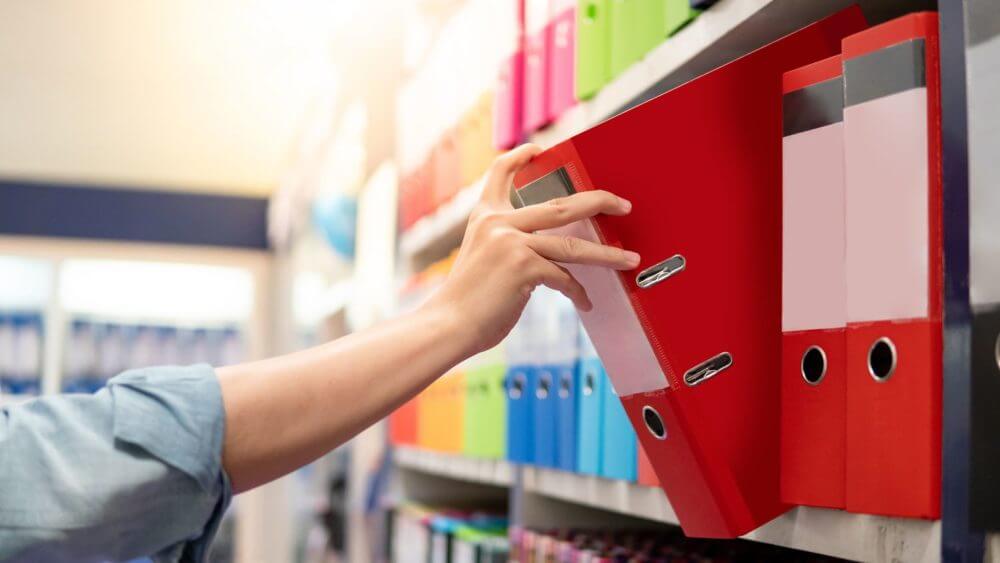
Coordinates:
[814,286]
[447,168]
[647,475]
[894,268]
[693,340]
[403,424]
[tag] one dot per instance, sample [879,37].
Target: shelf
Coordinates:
[724,32]
[856,537]
[433,236]
[617,496]
[485,471]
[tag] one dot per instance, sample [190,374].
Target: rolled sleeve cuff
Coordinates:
[176,414]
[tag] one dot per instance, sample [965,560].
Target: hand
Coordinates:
[503,259]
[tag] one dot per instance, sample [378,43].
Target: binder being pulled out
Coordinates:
[692,341]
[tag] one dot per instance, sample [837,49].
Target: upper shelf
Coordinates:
[726,31]
[856,537]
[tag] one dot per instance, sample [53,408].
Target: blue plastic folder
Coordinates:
[520,384]
[520,431]
[544,404]
[553,349]
[619,450]
[590,378]
[566,357]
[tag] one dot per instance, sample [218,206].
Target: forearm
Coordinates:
[284,412]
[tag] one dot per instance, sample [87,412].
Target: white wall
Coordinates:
[178,94]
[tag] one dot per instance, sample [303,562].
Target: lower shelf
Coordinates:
[487,471]
[856,537]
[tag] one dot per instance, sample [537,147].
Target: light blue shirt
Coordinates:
[133,470]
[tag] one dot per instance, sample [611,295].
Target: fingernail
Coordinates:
[632,257]
[626,204]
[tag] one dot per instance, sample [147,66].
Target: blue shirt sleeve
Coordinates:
[133,470]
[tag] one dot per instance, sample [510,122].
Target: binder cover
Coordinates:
[562,87]
[619,450]
[537,74]
[693,339]
[475,140]
[544,402]
[593,47]
[520,426]
[652,24]
[403,423]
[626,38]
[894,268]
[447,172]
[508,111]
[678,14]
[814,287]
[647,475]
[590,408]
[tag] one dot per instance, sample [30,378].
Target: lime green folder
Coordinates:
[653,23]
[593,47]
[486,406]
[678,14]
[627,40]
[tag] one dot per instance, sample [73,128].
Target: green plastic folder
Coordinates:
[593,47]
[678,14]
[626,34]
[653,23]
[486,407]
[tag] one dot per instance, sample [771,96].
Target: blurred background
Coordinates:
[192,181]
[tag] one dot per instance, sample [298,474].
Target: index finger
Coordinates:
[570,209]
[501,175]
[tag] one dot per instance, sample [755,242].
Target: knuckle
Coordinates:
[571,247]
[559,206]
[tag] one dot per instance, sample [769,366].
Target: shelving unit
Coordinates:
[730,29]
[856,537]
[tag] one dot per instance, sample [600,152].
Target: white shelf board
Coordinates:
[857,537]
[451,216]
[724,32]
[463,468]
[617,496]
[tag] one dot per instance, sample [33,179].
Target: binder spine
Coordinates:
[894,268]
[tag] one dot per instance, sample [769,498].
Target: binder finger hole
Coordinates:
[565,387]
[882,359]
[516,388]
[814,365]
[654,423]
[588,384]
[544,386]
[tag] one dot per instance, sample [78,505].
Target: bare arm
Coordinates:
[285,412]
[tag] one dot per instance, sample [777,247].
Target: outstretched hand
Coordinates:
[504,256]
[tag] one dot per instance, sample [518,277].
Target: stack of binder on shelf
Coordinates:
[781,344]
[692,343]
